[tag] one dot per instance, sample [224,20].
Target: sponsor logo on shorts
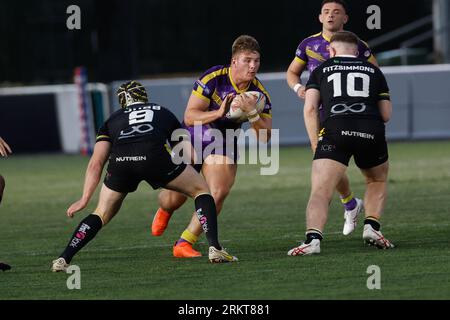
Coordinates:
[135,158]
[358,134]
[327,147]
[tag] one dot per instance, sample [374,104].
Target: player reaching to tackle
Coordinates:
[356,104]
[312,52]
[134,140]
[206,110]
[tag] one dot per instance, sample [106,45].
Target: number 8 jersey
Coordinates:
[349,87]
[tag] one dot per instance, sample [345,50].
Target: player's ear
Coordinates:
[320,18]
[332,51]
[345,19]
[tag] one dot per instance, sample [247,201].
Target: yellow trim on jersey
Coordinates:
[300,60]
[323,36]
[257,83]
[216,98]
[234,84]
[384,94]
[102,136]
[213,74]
[210,76]
[314,55]
[371,59]
[200,95]
[315,35]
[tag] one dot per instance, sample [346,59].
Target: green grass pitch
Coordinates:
[263,217]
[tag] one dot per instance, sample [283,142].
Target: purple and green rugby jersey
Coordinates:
[313,50]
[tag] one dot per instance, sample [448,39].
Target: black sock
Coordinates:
[313,234]
[207,215]
[373,222]
[85,232]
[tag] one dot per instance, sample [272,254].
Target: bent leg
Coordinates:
[170,200]
[376,189]
[191,183]
[343,187]
[108,205]
[374,200]
[325,176]
[220,178]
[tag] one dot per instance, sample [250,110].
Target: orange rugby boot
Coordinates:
[185,250]
[160,222]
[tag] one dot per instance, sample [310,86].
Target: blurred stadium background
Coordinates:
[167,44]
[57,86]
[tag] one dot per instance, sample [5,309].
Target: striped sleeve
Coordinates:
[103,133]
[383,89]
[364,51]
[300,53]
[204,87]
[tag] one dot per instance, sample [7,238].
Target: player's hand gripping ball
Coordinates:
[237,114]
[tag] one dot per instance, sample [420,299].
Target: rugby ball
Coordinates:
[236,114]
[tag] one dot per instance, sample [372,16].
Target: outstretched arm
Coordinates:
[93,174]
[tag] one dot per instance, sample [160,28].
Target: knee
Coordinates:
[377,179]
[170,200]
[320,197]
[219,195]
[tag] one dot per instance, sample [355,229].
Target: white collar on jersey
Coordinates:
[345,56]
